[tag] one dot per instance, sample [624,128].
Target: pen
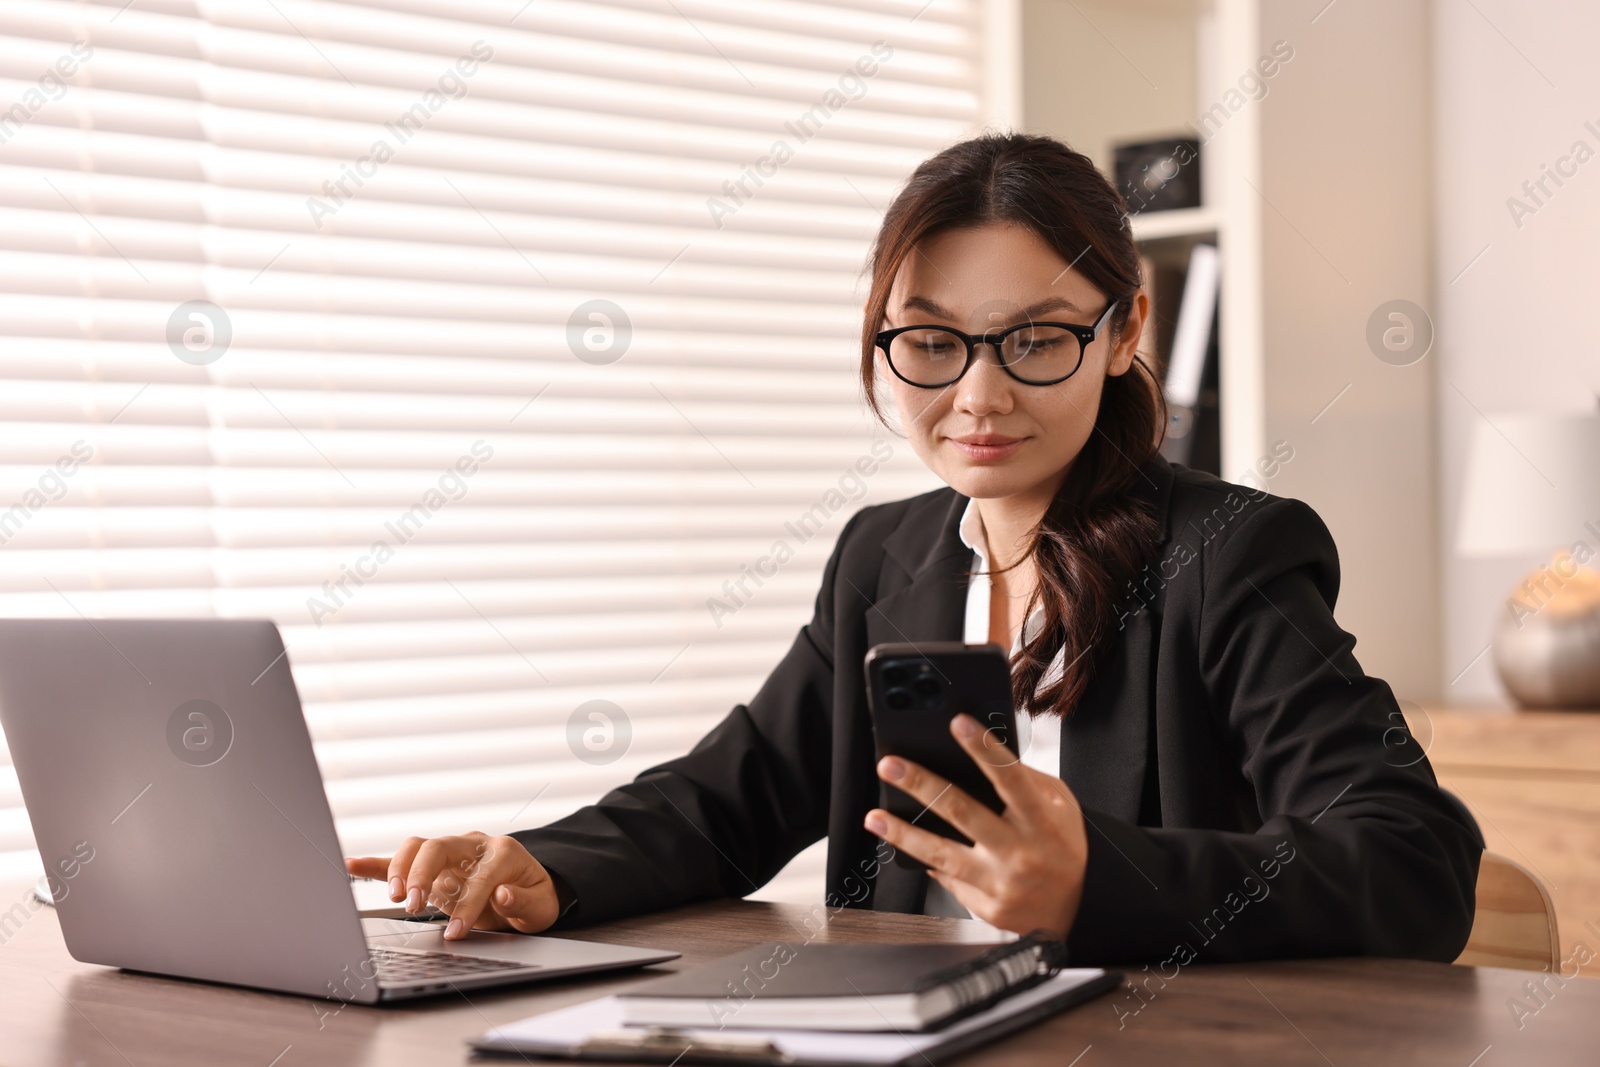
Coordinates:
[668,1042]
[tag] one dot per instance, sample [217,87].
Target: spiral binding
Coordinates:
[1007,968]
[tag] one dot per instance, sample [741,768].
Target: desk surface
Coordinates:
[54,1010]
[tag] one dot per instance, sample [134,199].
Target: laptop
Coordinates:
[181,818]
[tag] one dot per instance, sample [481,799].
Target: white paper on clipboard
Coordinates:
[563,1032]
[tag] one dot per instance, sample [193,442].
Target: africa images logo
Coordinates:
[199,733]
[199,332]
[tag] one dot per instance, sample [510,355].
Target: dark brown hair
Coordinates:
[1095,536]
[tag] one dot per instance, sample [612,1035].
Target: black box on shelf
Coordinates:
[1159,175]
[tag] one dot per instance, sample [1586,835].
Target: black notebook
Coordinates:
[840,987]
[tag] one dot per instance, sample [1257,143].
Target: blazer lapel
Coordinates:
[1105,742]
[932,604]
[923,599]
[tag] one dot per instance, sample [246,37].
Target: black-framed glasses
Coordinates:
[1034,353]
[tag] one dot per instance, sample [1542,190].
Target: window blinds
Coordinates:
[501,352]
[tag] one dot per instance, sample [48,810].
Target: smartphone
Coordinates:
[914,690]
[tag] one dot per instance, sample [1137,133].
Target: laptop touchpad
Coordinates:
[429,937]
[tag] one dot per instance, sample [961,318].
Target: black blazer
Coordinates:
[1249,791]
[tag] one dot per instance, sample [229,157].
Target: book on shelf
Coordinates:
[1183,351]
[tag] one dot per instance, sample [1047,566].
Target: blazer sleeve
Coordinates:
[722,820]
[1358,853]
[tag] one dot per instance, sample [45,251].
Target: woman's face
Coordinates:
[989,435]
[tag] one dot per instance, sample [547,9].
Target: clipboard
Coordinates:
[593,1030]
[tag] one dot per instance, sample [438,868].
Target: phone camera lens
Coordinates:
[898,699]
[926,687]
[894,675]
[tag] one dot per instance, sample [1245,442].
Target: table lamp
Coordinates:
[1533,485]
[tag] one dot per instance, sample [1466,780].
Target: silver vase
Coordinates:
[1551,657]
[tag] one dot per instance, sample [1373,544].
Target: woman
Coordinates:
[1208,775]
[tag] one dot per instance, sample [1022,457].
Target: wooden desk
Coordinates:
[54,1010]
[1532,780]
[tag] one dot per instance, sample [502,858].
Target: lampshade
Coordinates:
[1533,485]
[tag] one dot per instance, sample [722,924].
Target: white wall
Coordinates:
[1513,87]
[1346,182]
[1096,71]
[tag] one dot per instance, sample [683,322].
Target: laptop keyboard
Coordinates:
[399,966]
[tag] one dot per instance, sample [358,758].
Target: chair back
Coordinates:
[1514,922]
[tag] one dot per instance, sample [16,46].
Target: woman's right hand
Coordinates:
[482,882]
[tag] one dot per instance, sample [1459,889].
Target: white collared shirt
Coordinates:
[1038,737]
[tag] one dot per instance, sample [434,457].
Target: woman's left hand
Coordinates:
[1024,869]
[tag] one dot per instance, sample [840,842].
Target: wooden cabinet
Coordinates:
[1532,780]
